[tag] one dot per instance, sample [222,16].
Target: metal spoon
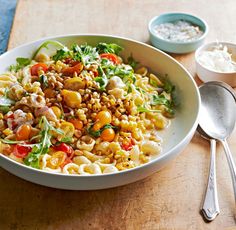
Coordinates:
[217,118]
[210,208]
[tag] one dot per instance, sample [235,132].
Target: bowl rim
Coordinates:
[205,47]
[158,158]
[202,37]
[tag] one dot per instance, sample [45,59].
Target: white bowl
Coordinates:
[206,74]
[175,138]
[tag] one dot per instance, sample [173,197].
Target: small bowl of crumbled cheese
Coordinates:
[177,32]
[216,61]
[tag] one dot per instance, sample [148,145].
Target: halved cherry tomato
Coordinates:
[76,68]
[127,146]
[65,148]
[108,134]
[57,159]
[23,132]
[111,57]
[21,151]
[78,124]
[39,66]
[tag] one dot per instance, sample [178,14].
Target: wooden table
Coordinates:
[169,199]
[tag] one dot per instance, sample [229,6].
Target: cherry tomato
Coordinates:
[23,132]
[98,125]
[39,66]
[108,135]
[104,117]
[21,151]
[111,57]
[64,148]
[76,68]
[78,124]
[127,146]
[57,159]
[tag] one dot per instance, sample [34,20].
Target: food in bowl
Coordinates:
[218,58]
[178,31]
[82,110]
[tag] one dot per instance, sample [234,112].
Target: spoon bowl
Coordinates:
[217,118]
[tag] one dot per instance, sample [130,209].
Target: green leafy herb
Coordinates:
[85,53]
[101,79]
[6,141]
[45,45]
[108,48]
[66,139]
[4,109]
[143,109]
[43,146]
[61,54]
[132,62]
[153,83]
[168,87]
[162,100]
[98,132]
[43,80]
[20,63]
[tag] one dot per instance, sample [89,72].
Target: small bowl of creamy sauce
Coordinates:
[216,61]
[178,31]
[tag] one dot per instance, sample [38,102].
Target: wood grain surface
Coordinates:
[169,199]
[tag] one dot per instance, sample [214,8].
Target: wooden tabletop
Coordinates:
[169,199]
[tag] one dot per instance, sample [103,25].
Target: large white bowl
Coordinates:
[175,138]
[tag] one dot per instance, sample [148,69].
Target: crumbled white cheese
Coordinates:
[178,31]
[218,59]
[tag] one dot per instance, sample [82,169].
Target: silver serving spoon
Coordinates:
[217,120]
[210,207]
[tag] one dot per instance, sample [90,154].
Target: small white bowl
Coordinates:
[206,74]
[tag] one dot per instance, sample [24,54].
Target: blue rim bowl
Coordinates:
[176,47]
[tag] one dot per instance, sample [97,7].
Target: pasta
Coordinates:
[83,110]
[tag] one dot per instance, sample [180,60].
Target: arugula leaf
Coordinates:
[45,45]
[61,54]
[160,100]
[66,140]
[41,148]
[168,87]
[6,141]
[108,48]
[5,109]
[20,63]
[153,83]
[102,79]
[98,132]
[143,109]
[85,53]
[43,80]
[132,62]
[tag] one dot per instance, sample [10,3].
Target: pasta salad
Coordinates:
[82,110]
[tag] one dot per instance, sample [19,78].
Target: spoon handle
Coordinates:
[210,208]
[231,164]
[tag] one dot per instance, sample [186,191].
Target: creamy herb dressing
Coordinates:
[218,59]
[178,31]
